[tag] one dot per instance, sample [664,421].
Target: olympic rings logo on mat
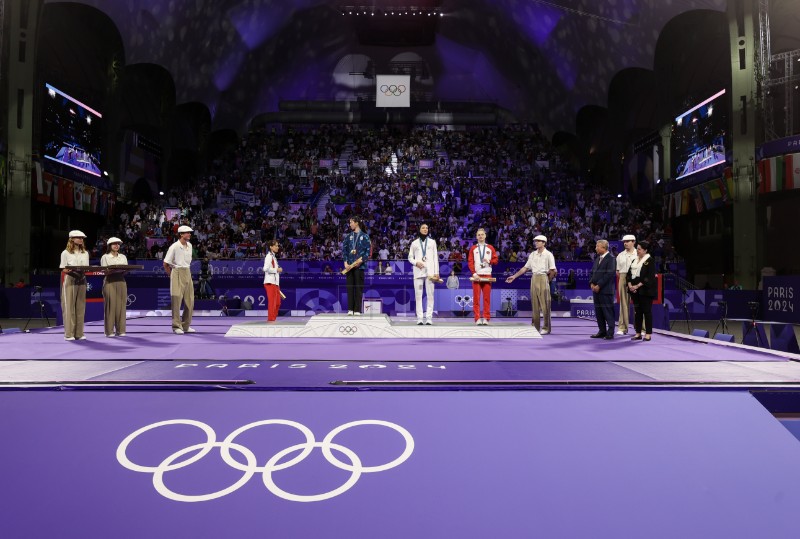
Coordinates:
[393,89]
[348,330]
[274,464]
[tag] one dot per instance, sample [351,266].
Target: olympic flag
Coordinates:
[392,90]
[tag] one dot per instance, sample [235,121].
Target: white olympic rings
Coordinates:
[250,468]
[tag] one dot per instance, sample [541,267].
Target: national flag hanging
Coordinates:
[792,167]
[705,193]
[77,192]
[110,205]
[715,194]
[88,195]
[37,177]
[65,196]
[727,184]
[685,202]
[779,173]
[101,202]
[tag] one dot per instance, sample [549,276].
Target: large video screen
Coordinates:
[700,137]
[73,132]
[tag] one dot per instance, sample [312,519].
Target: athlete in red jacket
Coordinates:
[481,258]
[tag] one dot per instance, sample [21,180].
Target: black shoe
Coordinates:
[598,336]
[636,338]
[609,337]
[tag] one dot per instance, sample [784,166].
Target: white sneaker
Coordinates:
[69,338]
[356,313]
[177,331]
[544,332]
[120,335]
[82,338]
[428,322]
[420,322]
[349,313]
[620,332]
[479,322]
[190,330]
[485,322]
[111,335]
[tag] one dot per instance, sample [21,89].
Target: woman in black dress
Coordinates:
[643,288]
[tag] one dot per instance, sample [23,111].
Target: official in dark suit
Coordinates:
[643,288]
[602,280]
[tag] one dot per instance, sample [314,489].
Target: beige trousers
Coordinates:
[540,301]
[624,302]
[115,298]
[181,290]
[73,305]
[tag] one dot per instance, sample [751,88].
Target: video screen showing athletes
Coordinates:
[72,133]
[699,137]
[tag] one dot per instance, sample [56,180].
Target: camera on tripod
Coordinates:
[204,289]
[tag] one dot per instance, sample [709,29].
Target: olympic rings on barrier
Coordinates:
[463,301]
[348,330]
[250,468]
[131,299]
[393,89]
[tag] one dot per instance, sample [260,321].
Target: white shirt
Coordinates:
[636,266]
[179,256]
[271,275]
[541,263]
[624,260]
[110,260]
[74,259]
[431,257]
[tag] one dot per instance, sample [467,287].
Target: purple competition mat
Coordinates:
[387,464]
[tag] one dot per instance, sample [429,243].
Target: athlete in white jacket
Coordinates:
[424,257]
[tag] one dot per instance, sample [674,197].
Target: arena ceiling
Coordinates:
[542,60]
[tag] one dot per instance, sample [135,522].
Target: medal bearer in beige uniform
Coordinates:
[115,290]
[624,260]
[177,264]
[543,265]
[73,286]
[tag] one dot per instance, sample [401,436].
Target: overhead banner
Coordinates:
[392,90]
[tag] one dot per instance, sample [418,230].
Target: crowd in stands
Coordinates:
[507,180]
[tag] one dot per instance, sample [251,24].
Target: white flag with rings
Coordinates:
[392,90]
